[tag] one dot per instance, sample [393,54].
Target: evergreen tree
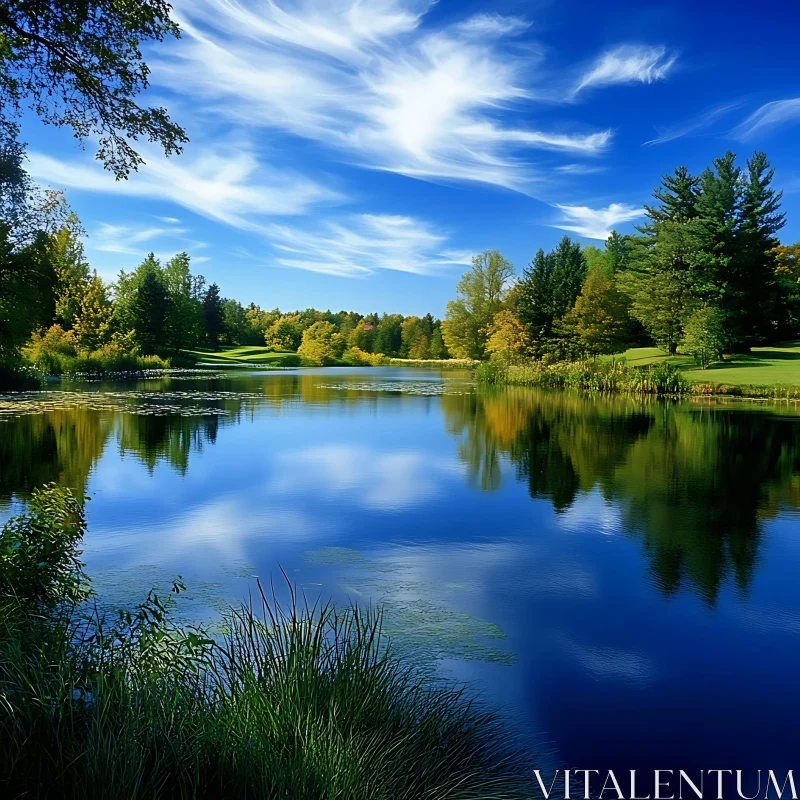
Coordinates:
[660,282]
[677,196]
[756,290]
[212,315]
[184,321]
[568,275]
[535,301]
[149,306]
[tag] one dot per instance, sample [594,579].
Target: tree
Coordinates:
[415,334]
[547,292]
[438,350]
[92,321]
[599,316]
[677,196]
[567,276]
[285,333]
[363,336]
[65,250]
[661,283]
[704,335]
[27,283]
[234,322]
[756,290]
[148,306]
[508,337]
[787,280]
[318,346]
[480,295]
[389,335]
[212,315]
[535,301]
[184,321]
[79,63]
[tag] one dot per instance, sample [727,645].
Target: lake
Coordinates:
[619,575]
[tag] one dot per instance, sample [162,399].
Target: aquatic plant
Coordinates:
[296,699]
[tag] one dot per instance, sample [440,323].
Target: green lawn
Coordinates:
[245,355]
[763,366]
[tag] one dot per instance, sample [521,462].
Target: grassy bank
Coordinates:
[246,356]
[765,372]
[295,700]
[601,376]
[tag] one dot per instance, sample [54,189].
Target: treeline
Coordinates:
[60,316]
[704,275]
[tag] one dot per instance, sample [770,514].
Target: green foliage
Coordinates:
[212,315]
[55,351]
[79,63]
[294,700]
[508,337]
[318,347]
[358,358]
[389,335]
[600,315]
[40,565]
[184,324]
[600,376]
[704,335]
[481,293]
[546,294]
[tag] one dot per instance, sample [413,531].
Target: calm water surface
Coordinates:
[621,576]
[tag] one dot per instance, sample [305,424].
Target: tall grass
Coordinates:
[295,700]
[602,376]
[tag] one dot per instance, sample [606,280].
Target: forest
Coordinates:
[57,315]
[705,275]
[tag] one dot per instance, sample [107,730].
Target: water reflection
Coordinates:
[696,481]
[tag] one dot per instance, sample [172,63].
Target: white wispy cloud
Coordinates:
[492,25]
[693,126]
[367,79]
[128,239]
[596,223]
[361,244]
[770,115]
[628,64]
[227,184]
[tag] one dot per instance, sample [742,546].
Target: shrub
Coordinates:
[55,352]
[359,358]
[492,372]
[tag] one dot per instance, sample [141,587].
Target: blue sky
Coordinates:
[353,154]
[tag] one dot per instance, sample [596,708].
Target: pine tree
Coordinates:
[148,309]
[677,195]
[183,322]
[568,275]
[535,301]
[212,315]
[756,284]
